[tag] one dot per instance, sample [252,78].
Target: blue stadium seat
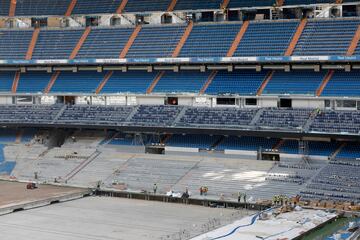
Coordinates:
[247,143]
[33,82]
[181,82]
[337,122]
[129,82]
[147,5]
[56,44]
[5,6]
[6,81]
[28,135]
[91,114]
[7,167]
[250,3]
[153,42]
[315,148]
[295,82]
[155,115]
[284,118]
[210,40]
[194,5]
[270,38]
[41,7]
[306,2]
[326,37]
[192,141]
[105,43]
[84,82]
[224,117]
[14,43]
[7,136]
[350,151]
[86,7]
[236,82]
[343,84]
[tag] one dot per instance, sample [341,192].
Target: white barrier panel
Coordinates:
[181,149]
[298,156]
[240,152]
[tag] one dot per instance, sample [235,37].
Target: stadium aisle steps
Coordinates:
[130,41]
[278,145]
[121,7]
[12,9]
[338,150]
[156,80]
[325,81]
[70,8]
[296,37]
[32,44]
[265,82]
[19,135]
[354,43]
[183,39]
[166,138]
[15,82]
[80,43]
[104,81]
[237,39]
[209,81]
[280,3]
[224,4]
[172,5]
[52,81]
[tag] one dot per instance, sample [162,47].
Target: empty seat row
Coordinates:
[185,116]
[262,38]
[326,37]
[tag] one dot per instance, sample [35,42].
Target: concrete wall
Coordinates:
[5,100]
[54,22]
[150,100]
[267,102]
[187,101]
[3,23]
[116,100]
[308,103]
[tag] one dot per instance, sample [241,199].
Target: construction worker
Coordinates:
[244,197]
[155,188]
[239,196]
[205,191]
[222,198]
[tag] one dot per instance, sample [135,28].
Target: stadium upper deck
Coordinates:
[248,41]
[84,7]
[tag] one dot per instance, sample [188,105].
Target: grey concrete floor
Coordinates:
[101,218]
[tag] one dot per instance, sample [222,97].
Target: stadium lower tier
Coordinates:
[238,82]
[118,159]
[166,116]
